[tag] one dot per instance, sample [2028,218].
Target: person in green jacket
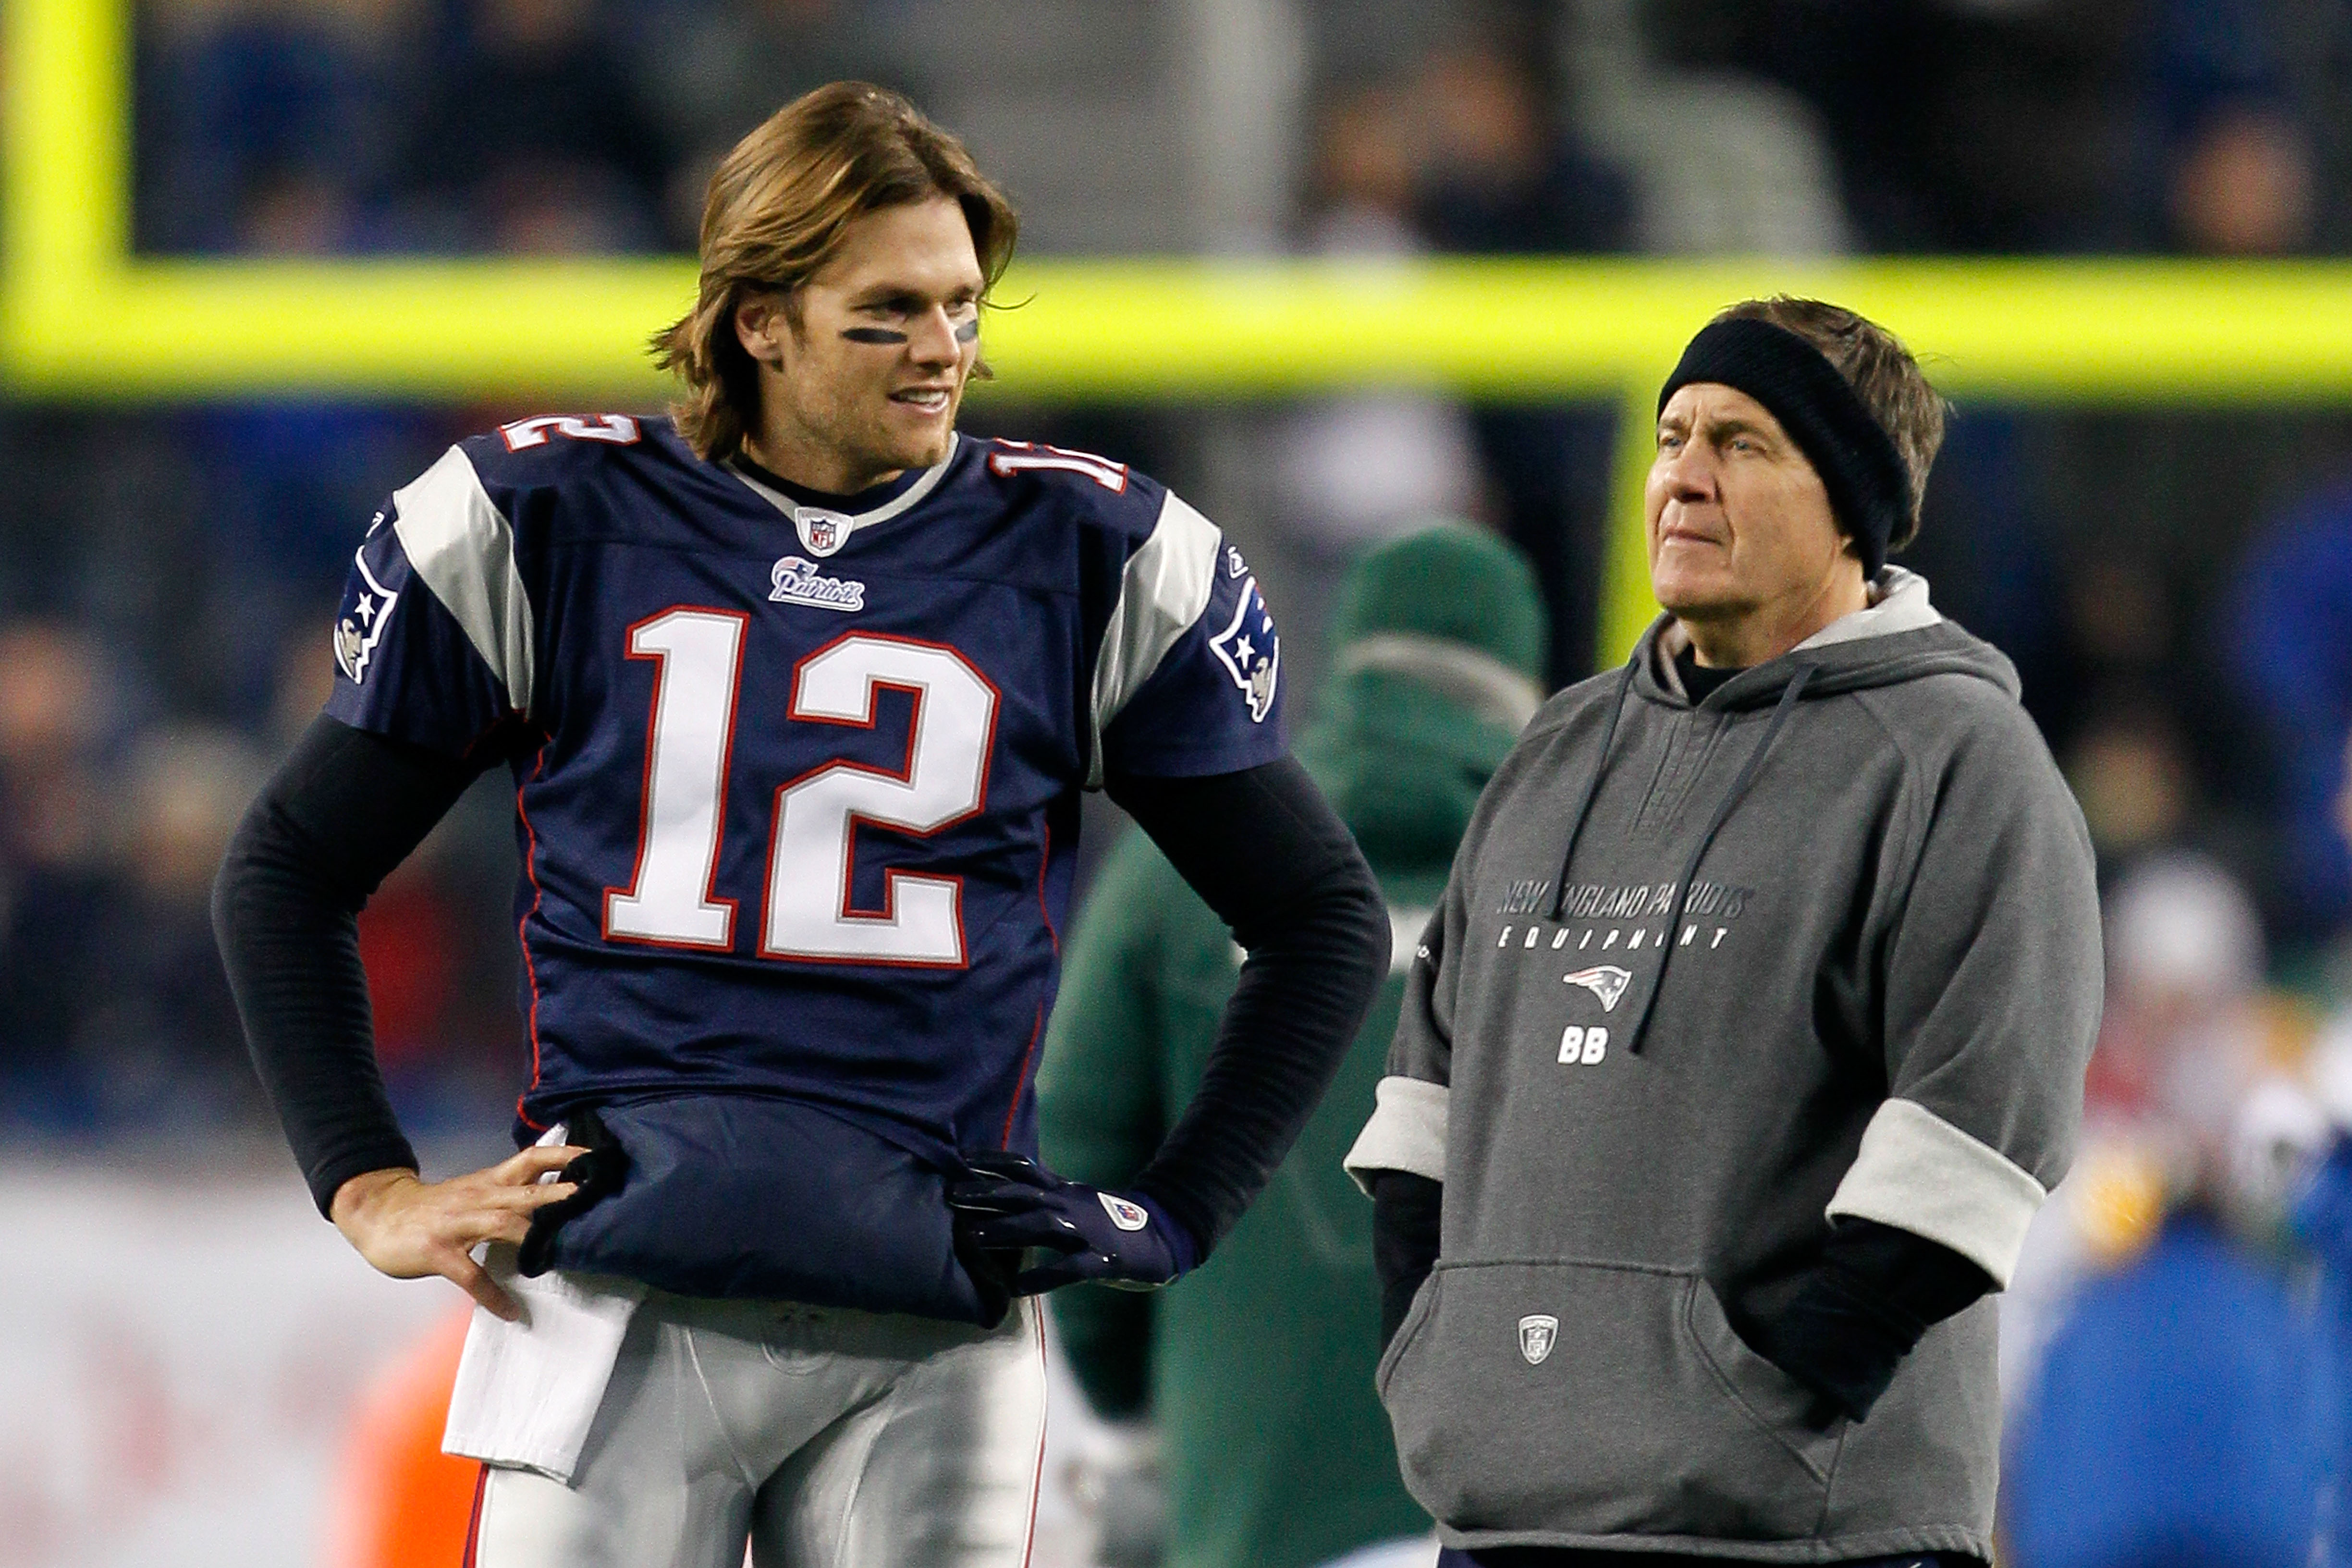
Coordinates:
[1258,1370]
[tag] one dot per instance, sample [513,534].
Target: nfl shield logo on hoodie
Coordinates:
[1538,1331]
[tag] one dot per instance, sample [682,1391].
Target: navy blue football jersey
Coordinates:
[797,777]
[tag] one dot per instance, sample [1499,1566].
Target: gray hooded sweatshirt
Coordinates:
[1871,900]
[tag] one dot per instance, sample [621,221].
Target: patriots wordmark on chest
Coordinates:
[796,581]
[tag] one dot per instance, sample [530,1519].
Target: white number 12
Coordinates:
[813,852]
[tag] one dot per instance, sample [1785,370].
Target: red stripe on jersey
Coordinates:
[1022,1083]
[522,927]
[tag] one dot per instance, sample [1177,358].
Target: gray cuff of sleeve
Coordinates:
[1918,1173]
[1407,1132]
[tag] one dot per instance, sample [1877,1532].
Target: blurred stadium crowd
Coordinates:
[2176,588]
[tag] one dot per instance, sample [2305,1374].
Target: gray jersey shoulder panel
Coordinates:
[1162,591]
[462,547]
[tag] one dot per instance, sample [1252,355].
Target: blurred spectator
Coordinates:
[1369,146]
[162,1037]
[1505,176]
[2241,184]
[1437,642]
[2171,1400]
[57,895]
[2185,1416]
[2232,160]
[2129,772]
[2046,125]
[2182,1040]
[2289,641]
[710,72]
[264,125]
[529,136]
[1350,471]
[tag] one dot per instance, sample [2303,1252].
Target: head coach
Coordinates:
[1750,1031]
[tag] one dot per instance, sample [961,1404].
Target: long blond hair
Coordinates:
[777,211]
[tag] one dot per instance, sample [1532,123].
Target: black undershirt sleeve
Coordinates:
[1405,1216]
[1843,1325]
[344,809]
[1267,852]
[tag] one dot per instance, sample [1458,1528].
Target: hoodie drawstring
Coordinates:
[1787,705]
[1593,784]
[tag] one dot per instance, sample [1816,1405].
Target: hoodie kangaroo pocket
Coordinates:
[1599,1399]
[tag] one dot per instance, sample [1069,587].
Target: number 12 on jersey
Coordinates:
[812,844]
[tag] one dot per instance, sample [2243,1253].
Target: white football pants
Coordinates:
[823,1437]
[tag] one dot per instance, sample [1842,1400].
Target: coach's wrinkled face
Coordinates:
[870,375]
[1739,523]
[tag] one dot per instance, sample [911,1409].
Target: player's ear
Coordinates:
[761,326]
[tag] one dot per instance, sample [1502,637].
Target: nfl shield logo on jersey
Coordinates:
[1538,1332]
[1124,1215]
[822,532]
[1251,651]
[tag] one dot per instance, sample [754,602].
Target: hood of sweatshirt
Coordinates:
[1900,636]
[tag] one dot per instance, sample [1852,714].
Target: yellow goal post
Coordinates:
[84,318]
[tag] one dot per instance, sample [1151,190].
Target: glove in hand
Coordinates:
[1012,1206]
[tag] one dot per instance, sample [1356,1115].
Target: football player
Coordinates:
[798,692]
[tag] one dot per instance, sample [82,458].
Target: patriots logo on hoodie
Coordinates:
[1605,980]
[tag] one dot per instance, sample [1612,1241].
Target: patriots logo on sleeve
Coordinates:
[367,610]
[1251,651]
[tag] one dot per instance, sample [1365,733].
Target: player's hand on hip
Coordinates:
[1009,1205]
[408,1227]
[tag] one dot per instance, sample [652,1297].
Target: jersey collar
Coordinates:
[826,522]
